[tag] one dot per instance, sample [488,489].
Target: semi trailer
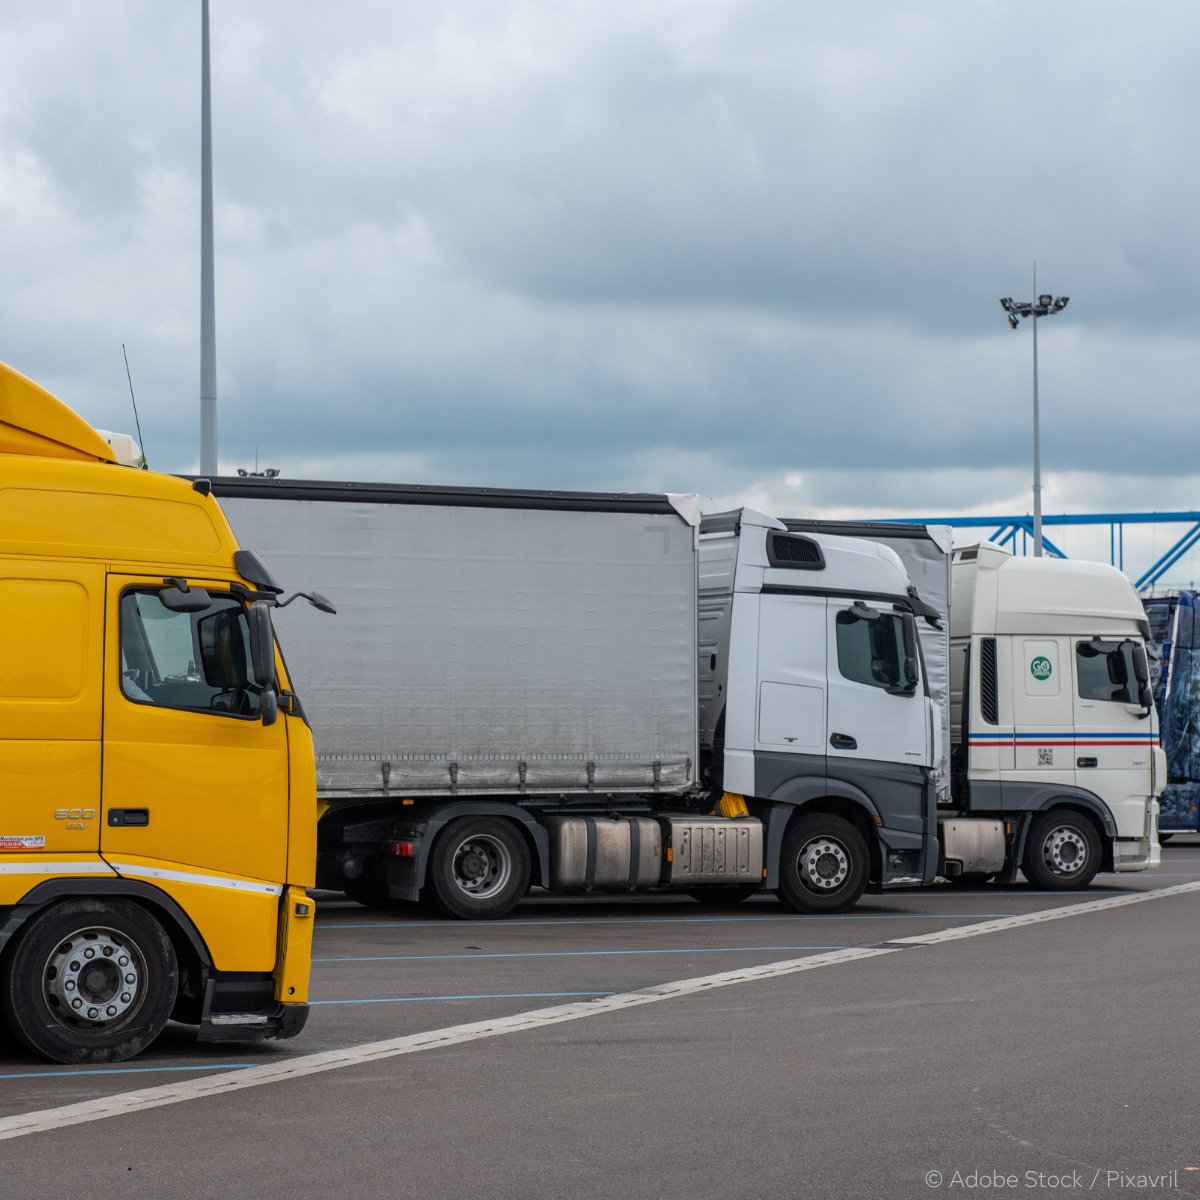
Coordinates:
[157,786]
[1055,762]
[588,691]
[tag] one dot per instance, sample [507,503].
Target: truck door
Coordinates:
[791,675]
[877,710]
[1114,733]
[191,776]
[1043,715]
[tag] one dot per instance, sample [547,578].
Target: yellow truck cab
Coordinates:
[157,783]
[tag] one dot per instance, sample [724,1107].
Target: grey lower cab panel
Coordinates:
[608,853]
[706,850]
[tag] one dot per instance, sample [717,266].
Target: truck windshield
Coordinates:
[1106,671]
[187,660]
[871,652]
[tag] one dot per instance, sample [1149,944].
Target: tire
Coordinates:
[823,866]
[1063,851]
[479,868]
[722,897]
[90,981]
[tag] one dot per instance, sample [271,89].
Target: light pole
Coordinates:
[1043,306]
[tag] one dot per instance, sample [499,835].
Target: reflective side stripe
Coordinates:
[56,868]
[232,885]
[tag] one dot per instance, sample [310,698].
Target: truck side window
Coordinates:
[1106,671]
[197,661]
[871,652]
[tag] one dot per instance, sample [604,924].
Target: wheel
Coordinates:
[479,868]
[1063,851]
[90,981]
[823,866]
[722,897]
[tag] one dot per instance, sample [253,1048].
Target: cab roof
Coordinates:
[33,422]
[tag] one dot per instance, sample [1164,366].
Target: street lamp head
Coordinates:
[1045,301]
[1013,321]
[1061,303]
[1007,304]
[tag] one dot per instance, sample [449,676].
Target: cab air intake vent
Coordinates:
[795,553]
[989,698]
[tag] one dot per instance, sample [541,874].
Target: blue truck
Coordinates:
[1175,627]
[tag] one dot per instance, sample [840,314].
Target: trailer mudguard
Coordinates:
[406,877]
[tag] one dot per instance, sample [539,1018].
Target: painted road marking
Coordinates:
[126,1103]
[781,916]
[563,953]
[129,1070]
[480,996]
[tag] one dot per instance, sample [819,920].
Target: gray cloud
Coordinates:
[707,248]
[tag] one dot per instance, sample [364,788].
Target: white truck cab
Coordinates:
[813,696]
[1057,764]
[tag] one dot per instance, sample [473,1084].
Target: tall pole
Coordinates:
[1037,442]
[208,334]
[1039,306]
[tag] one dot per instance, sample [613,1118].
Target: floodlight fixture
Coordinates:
[1044,306]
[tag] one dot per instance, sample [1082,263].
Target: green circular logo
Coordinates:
[1040,668]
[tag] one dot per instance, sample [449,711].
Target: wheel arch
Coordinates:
[535,835]
[839,799]
[190,947]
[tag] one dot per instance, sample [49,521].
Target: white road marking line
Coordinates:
[126,1103]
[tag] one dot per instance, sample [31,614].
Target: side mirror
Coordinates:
[911,674]
[262,658]
[1141,666]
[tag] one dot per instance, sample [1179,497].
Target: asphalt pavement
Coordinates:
[1040,1058]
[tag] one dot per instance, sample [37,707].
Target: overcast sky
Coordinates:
[746,248]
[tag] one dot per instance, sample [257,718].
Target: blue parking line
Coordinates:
[568,953]
[124,1071]
[480,996]
[518,923]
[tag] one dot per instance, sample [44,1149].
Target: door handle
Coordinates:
[1087,762]
[129,816]
[842,741]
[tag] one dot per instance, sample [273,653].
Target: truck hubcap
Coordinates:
[482,866]
[824,864]
[1065,851]
[93,977]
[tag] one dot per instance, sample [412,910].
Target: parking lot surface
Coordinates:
[1046,1046]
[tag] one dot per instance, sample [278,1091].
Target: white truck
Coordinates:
[579,691]
[1055,763]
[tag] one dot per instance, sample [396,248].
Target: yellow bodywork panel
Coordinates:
[34,422]
[238,918]
[296,920]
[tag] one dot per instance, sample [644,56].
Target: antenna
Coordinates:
[132,397]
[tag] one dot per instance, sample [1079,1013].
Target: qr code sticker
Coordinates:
[1045,758]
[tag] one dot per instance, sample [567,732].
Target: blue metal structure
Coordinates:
[1019,532]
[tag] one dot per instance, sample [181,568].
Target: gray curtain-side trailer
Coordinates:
[520,653]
